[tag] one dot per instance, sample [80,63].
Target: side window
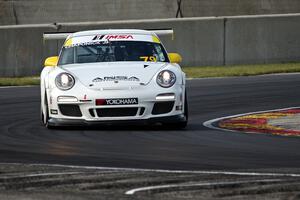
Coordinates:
[159,53]
[67,56]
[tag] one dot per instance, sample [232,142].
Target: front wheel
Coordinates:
[181,124]
[45,113]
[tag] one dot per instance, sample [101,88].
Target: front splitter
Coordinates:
[81,122]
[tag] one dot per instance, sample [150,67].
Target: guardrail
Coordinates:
[200,41]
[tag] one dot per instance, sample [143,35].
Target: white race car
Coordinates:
[113,76]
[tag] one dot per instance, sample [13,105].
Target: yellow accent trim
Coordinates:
[155,39]
[51,61]
[174,58]
[68,42]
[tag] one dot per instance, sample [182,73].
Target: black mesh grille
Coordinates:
[92,112]
[116,112]
[162,107]
[142,110]
[70,110]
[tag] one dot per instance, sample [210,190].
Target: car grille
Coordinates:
[70,110]
[116,112]
[162,107]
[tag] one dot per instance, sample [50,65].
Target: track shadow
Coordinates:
[132,127]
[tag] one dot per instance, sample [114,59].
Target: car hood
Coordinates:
[114,75]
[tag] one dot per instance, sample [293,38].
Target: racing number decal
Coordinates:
[148,58]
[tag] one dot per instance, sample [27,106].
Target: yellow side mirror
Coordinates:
[51,61]
[175,57]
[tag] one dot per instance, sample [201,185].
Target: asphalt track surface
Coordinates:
[24,140]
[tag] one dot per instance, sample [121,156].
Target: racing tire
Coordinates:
[181,124]
[45,113]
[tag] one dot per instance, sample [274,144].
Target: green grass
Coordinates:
[19,81]
[240,70]
[194,72]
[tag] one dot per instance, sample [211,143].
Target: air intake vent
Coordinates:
[70,110]
[116,112]
[162,107]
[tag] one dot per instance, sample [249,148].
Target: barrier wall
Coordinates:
[22,50]
[262,39]
[200,41]
[50,11]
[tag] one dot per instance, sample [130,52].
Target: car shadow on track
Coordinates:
[156,127]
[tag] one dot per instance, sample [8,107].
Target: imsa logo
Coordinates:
[115,37]
[115,78]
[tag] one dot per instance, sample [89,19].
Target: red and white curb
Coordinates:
[256,122]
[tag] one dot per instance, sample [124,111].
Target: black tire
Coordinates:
[45,117]
[181,124]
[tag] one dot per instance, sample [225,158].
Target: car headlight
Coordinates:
[166,78]
[64,81]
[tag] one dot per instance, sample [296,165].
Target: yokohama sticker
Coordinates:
[125,101]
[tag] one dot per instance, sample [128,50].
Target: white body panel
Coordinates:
[87,89]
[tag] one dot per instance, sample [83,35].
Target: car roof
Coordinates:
[112,31]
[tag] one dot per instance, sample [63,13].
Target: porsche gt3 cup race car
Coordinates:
[113,76]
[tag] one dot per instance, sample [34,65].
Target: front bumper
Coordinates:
[90,114]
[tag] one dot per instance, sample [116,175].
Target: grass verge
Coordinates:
[19,81]
[240,70]
[194,72]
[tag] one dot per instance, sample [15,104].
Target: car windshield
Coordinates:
[113,51]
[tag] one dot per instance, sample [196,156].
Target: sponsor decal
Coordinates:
[124,101]
[83,44]
[98,79]
[115,79]
[85,99]
[260,123]
[115,37]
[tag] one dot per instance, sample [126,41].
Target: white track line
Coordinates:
[141,189]
[162,170]
[260,75]
[43,174]
[209,123]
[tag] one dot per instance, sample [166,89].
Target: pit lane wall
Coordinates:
[16,12]
[200,41]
